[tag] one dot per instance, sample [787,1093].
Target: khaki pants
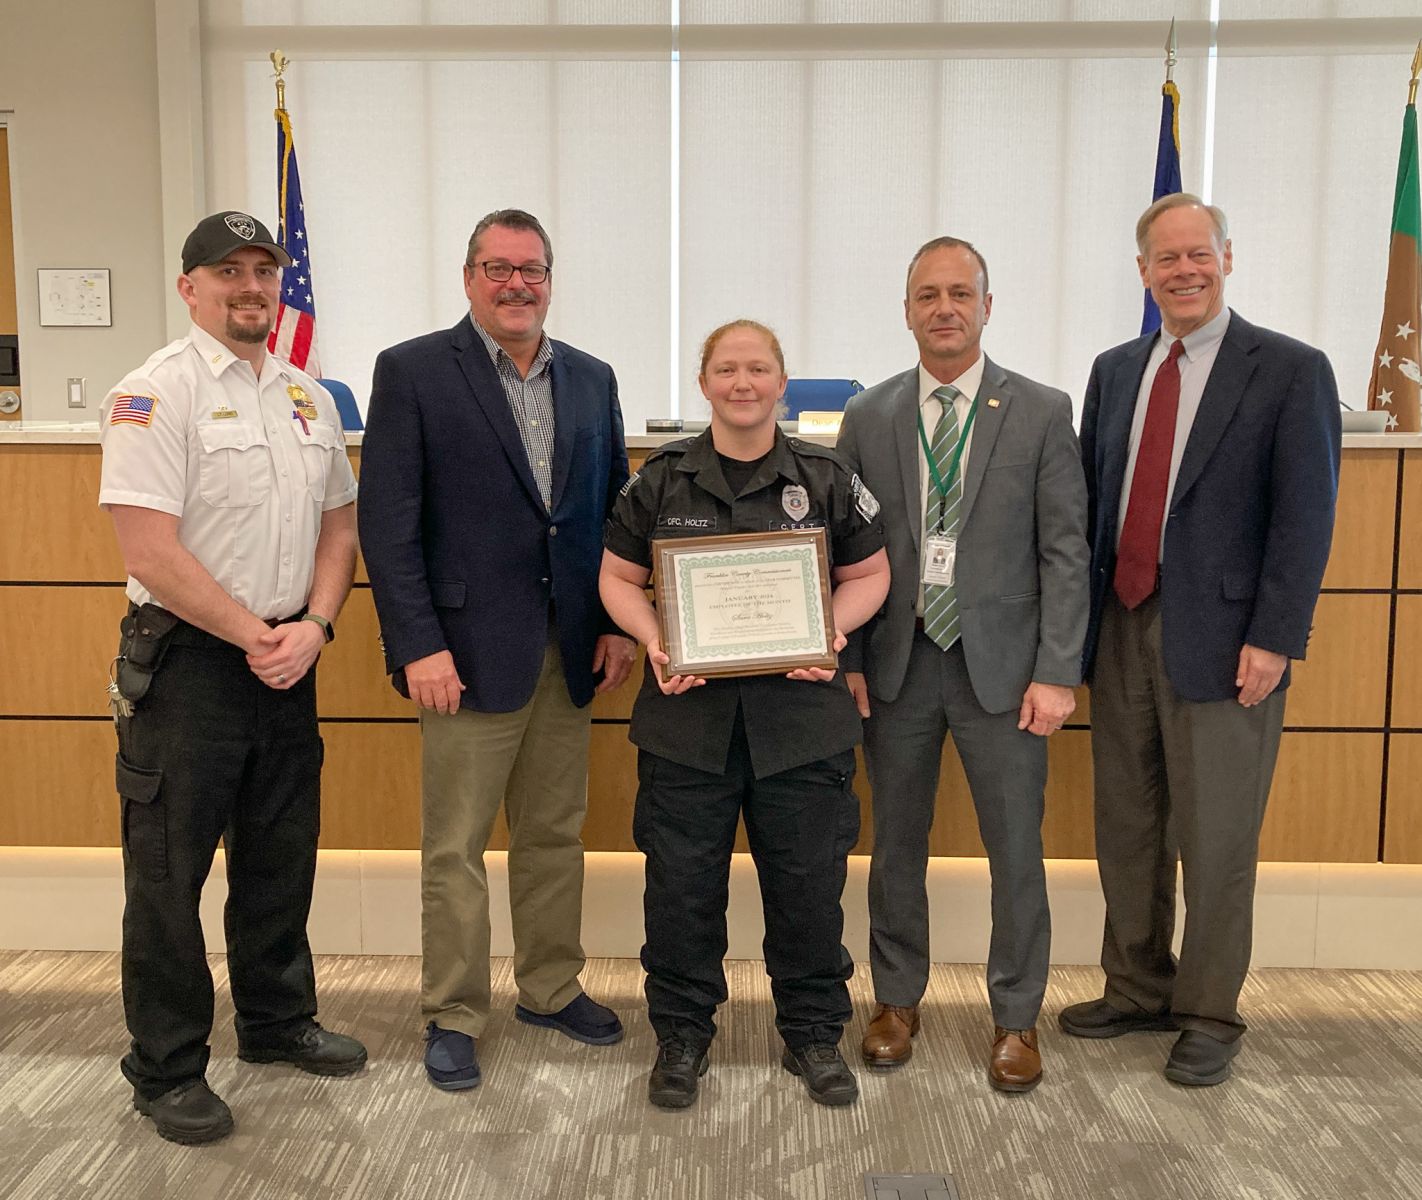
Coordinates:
[534,762]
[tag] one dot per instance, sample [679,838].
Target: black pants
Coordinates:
[801,825]
[212,752]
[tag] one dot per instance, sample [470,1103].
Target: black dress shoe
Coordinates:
[827,1076]
[313,1049]
[190,1114]
[1102,1019]
[1198,1060]
[674,1077]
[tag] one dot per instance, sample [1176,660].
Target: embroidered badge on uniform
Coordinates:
[795,500]
[864,499]
[133,410]
[631,479]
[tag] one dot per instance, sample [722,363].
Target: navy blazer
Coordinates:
[462,554]
[1251,517]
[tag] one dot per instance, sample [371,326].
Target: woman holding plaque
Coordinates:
[746,736]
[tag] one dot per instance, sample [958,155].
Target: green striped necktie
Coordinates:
[940,602]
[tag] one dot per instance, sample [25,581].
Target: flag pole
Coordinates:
[280,62]
[1167,155]
[1416,71]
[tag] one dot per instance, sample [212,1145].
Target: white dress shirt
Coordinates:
[228,453]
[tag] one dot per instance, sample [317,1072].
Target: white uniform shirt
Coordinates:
[930,409]
[230,456]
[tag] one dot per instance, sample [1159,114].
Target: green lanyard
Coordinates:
[945,485]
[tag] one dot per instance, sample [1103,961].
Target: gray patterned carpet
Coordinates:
[1326,1102]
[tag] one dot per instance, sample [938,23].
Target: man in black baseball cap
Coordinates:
[217,236]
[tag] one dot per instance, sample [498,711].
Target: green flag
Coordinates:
[1396,383]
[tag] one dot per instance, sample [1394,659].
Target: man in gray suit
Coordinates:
[984,503]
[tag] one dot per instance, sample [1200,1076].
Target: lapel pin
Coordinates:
[993,402]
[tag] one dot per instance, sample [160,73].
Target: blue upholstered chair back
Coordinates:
[818,395]
[345,404]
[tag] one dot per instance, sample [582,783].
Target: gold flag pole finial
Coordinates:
[1171,46]
[1416,72]
[280,62]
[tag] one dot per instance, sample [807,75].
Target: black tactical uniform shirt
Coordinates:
[682,491]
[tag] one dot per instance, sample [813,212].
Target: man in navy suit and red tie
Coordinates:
[492,455]
[1211,454]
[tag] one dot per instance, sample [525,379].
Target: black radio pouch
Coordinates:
[144,637]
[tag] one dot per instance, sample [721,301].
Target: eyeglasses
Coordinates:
[502,272]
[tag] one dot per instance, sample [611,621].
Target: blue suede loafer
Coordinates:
[450,1059]
[583,1019]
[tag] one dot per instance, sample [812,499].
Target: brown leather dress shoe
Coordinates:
[1015,1066]
[888,1042]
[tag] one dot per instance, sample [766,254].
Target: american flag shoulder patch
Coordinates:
[133,410]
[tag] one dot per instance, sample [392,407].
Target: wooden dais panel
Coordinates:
[1326,803]
[1343,682]
[1404,800]
[1363,531]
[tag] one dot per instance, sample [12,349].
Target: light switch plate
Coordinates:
[76,393]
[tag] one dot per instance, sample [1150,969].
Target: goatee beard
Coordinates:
[251,334]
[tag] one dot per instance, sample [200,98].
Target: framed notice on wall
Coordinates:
[74,296]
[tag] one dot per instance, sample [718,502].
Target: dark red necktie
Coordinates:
[1138,553]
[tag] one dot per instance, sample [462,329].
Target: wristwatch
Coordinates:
[326,627]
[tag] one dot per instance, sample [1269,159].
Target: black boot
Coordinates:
[674,1077]
[190,1114]
[827,1076]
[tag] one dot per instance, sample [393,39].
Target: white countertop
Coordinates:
[42,433]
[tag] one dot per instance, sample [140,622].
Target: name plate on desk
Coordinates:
[744,604]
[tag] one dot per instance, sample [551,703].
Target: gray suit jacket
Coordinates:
[1022,552]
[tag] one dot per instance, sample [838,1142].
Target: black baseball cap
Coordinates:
[215,237]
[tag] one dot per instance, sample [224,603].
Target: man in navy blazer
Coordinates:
[492,455]
[1211,455]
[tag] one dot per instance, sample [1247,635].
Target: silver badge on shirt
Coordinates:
[795,500]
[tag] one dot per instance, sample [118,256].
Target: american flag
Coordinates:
[132,410]
[293,336]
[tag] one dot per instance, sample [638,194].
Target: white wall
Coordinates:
[79,87]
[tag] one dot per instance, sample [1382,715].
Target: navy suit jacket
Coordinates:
[1251,517]
[462,554]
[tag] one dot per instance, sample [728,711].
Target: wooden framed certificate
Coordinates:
[744,604]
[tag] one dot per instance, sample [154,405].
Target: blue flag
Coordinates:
[1167,177]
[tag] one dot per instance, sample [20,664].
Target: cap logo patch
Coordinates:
[240,224]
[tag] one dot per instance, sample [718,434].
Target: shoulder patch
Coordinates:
[631,482]
[864,499]
[131,409]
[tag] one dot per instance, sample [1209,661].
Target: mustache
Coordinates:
[522,294]
[255,298]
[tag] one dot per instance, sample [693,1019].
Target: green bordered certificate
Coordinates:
[744,604]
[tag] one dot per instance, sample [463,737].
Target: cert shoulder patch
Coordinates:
[631,482]
[864,499]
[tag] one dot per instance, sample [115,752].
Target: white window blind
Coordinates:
[782,159]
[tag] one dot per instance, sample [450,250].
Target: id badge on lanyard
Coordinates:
[940,548]
[940,557]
